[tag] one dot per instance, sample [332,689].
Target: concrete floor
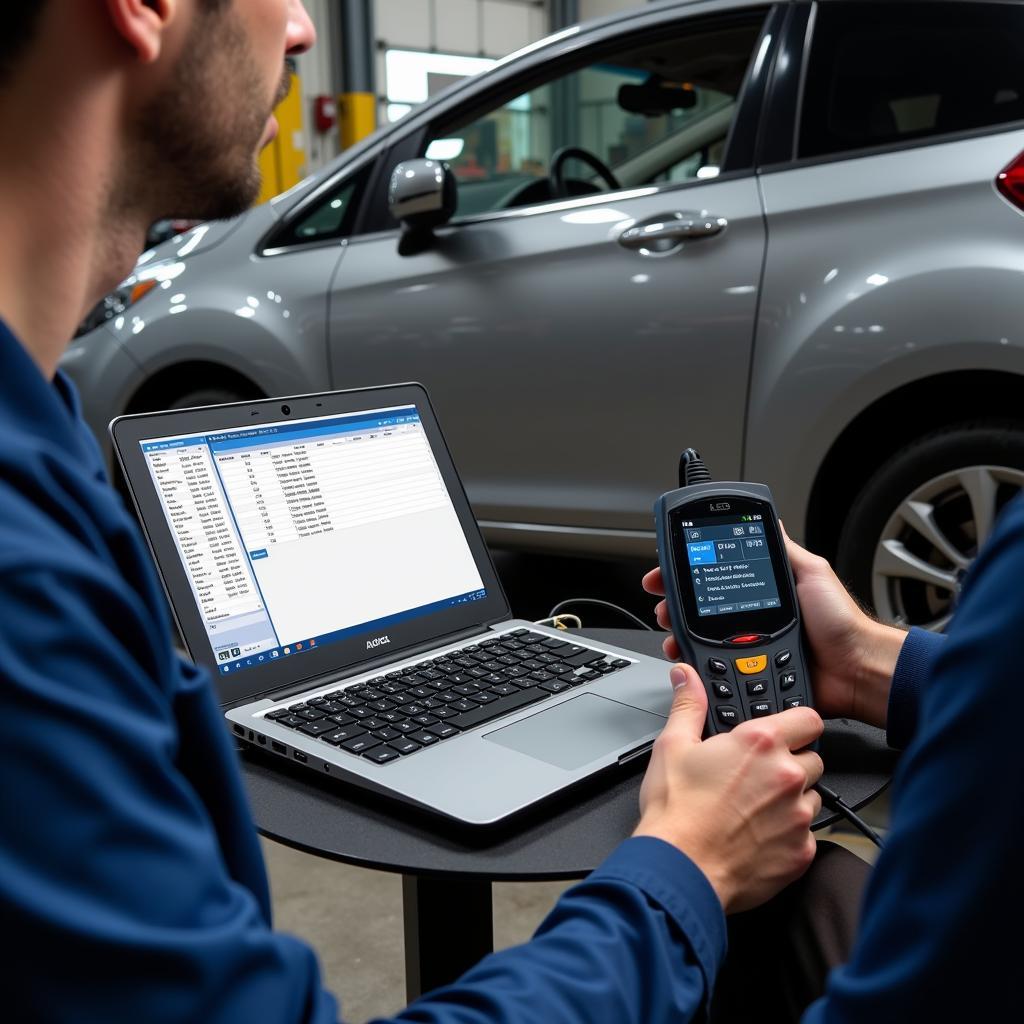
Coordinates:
[364,966]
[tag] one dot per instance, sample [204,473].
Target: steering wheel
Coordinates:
[562,156]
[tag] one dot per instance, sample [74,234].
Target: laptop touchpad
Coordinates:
[578,731]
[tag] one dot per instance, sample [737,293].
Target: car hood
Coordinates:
[199,239]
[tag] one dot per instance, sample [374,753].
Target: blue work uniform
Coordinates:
[131,881]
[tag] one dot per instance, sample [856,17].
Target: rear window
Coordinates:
[885,73]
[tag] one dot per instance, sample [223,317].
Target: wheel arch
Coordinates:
[893,421]
[171,382]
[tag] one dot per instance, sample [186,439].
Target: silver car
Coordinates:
[789,235]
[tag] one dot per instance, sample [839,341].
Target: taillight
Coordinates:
[1010,182]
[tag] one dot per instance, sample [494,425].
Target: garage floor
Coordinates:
[320,900]
[365,965]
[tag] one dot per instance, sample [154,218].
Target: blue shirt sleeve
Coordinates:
[944,902]
[118,900]
[639,940]
[913,667]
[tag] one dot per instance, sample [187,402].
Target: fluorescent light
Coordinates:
[408,70]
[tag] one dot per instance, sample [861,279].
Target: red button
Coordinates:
[749,638]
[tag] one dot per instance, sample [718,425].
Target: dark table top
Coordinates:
[564,838]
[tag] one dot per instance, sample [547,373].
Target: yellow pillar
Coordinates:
[357,116]
[283,162]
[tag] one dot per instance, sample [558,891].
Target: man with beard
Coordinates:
[131,880]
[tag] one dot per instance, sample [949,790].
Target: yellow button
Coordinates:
[752,665]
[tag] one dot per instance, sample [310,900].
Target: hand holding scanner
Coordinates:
[731,595]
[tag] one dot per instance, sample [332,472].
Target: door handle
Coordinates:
[668,231]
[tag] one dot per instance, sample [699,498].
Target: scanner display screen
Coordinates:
[730,566]
[731,569]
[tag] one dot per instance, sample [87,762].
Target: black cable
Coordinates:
[692,469]
[594,600]
[834,802]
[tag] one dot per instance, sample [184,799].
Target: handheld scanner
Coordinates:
[732,599]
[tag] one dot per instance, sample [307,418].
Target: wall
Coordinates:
[599,8]
[484,28]
[317,73]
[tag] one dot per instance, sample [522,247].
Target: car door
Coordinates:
[885,396]
[574,343]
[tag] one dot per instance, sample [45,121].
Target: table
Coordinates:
[448,871]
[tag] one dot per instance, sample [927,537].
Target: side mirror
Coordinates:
[422,194]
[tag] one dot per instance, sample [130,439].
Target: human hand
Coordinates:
[852,657]
[739,804]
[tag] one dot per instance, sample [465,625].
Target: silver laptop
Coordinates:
[321,558]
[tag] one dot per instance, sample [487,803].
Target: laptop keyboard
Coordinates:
[400,713]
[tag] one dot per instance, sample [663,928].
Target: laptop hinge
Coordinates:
[379,666]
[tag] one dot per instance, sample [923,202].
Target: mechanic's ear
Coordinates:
[141,24]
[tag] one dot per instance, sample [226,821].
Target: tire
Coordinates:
[913,530]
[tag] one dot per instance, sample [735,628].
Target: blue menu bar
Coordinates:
[245,438]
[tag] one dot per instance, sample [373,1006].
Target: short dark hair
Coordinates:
[19,21]
[17,26]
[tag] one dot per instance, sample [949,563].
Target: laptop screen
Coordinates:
[298,533]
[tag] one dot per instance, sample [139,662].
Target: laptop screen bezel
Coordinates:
[342,656]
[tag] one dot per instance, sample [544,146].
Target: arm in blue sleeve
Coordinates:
[913,667]
[117,901]
[640,940]
[945,897]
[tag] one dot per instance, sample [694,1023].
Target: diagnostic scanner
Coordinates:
[731,595]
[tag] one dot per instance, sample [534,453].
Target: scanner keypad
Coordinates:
[770,677]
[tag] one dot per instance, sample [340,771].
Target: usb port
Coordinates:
[299,756]
[278,748]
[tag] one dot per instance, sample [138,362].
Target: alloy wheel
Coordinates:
[930,540]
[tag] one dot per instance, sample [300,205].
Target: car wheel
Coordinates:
[206,396]
[918,523]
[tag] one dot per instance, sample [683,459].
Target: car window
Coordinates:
[881,74]
[330,216]
[653,111]
[703,162]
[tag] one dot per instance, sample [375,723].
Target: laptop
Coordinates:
[321,559]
